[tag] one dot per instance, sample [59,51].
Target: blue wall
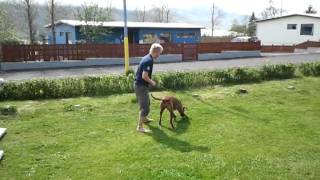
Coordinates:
[174,34]
[136,34]
[61,38]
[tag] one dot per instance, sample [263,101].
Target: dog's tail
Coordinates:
[158,99]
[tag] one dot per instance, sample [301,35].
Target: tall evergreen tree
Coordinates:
[311,10]
[252,27]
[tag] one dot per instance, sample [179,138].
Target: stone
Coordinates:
[2,81]
[195,95]
[1,154]
[2,132]
[291,87]
[242,91]
[77,106]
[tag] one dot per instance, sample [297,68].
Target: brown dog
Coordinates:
[171,104]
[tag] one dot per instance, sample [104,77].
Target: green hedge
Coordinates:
[107,85]
[310,69]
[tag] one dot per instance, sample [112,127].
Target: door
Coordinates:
[190,52]
[68,37]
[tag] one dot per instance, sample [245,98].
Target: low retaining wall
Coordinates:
[168,58]
[228,55]
[11,66]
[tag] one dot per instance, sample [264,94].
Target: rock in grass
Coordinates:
[1,154]
[242,91]
[291,87]
[77,106]
[2,132]
[72,107]
[2,81]
[8,110]
[195,95]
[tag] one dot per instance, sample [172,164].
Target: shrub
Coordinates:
[130,71]
[8,110]
[310,69]
[244,75]
[117,84]
[269,72]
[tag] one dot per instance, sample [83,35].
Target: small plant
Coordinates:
[134,100]
[8,110]
[130,71]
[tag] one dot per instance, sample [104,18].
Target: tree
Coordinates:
[239,27]
[311,10]
[216,15]
[271,11]
[52,5]
[30,12]
[252,27]
[162,13]
[7,30]
[140,14]
[93,16]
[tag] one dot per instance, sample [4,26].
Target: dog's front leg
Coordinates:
[171,119]
[161,112]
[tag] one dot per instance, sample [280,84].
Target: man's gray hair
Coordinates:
[156,47]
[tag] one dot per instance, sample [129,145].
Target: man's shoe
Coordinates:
[148,121]
[143,130]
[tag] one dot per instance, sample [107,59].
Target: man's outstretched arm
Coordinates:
[145,76]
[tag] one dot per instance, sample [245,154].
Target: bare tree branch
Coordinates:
[271,11]
[52,6]
[30,11]
[162,13]
[140,14]
[216,16]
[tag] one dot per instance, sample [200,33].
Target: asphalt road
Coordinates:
[185,66]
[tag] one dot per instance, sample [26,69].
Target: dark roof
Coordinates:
[291,15]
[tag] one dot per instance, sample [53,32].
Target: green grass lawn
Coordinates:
[271,133]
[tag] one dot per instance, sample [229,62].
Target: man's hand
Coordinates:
[146,77]
[153,83]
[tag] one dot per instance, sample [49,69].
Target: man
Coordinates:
[142,83]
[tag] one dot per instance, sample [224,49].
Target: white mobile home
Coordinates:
[289,30]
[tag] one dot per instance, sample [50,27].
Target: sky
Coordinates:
[231,6]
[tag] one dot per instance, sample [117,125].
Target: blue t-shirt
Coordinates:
[146,64]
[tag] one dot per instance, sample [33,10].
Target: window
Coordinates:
[306,29]
[61,33]
[292,26]
[186,35]
[150,38]
[165,37]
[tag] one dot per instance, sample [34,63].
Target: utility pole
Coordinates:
[126,40]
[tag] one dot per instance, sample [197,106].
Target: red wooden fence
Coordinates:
[307,44]
[19,53]
[279,49]
[289,49]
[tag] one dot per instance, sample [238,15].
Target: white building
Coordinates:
[289,29]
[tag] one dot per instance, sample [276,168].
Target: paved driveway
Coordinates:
[185,66]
